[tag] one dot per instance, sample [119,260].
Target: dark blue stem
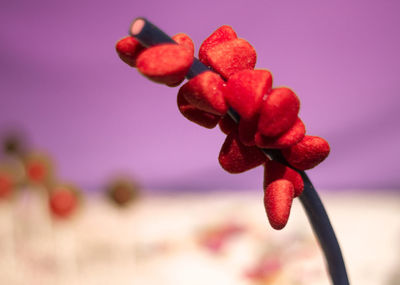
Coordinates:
[151,35]
[322,228]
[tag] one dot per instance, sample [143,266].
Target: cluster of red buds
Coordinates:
[23,168]
[63,199]
[268,116]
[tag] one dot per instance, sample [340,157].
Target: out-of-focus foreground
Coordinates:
[219,238]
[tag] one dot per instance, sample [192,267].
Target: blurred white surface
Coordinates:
[221,238]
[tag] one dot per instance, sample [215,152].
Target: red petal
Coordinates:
[245,91]
[308,153]
[222,34]
[290,137]
[278,198]
[235,157]
[275,170]
[230,57]
[278,112]
[195,115]
[205,92]
[129,49]
[247,130]
[185,41]
[227,125]
[166,63]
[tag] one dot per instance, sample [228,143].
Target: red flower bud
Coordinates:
[166,63]
[128,50]
[290,137]
[185,41]
[307,153]
[278,112]
[205,92]
[195,115]
[245,91]
[275,170]
[278,198]
[222,34]
[235,157]
[230,57]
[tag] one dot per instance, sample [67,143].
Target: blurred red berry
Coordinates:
[6,185]
[63,202]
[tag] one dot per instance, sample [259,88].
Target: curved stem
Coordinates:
[322,228]
[149,35]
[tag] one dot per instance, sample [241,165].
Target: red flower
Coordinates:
[268,116]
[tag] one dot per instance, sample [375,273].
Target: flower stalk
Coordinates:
[149,35]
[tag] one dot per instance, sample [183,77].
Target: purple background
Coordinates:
[61,79]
